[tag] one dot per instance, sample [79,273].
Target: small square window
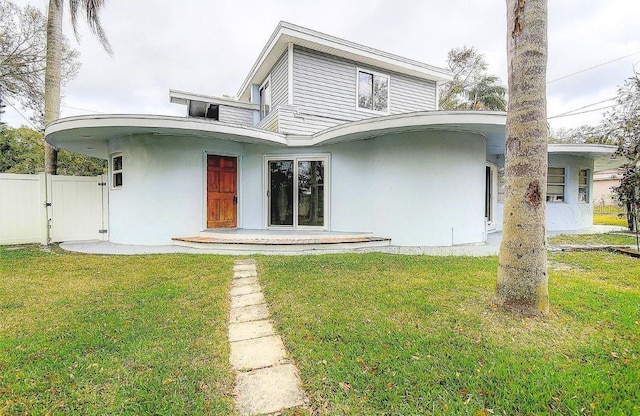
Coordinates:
[116,171]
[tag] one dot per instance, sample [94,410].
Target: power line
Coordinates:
[581,112]
[19,112]
[584,106]
[82,109]
[592,67]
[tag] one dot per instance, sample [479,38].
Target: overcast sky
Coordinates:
[208,47]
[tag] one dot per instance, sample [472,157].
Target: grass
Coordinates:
[83,334]
[607,239]
[383,334]
[609,215]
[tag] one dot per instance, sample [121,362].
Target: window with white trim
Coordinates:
[583,186]
[265,98]
[116,171]
[373,91]
[555,184]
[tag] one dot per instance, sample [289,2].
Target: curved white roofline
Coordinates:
[469,121]
[89,134]
[582,149]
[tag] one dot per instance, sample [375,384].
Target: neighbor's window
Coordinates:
[555,185]
[116,171]
[265,99]
[373,91]
[583,185]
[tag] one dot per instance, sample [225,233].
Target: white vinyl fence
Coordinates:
[44,208]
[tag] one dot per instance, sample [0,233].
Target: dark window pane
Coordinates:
[117,163]
[117,179]
[281,192]
[311,193]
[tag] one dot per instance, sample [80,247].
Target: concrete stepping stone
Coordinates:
[245,273]
[268,390]
[243,267]
[244,281]
[266,381]
[247,300]
[245,289]
[255,353]
[250,330]
[248,313]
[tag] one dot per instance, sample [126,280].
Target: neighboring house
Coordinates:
[326,135]
[603,181]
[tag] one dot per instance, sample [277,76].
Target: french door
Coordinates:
[297,192]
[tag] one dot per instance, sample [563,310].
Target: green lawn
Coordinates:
[85,334]
[384,334]
[607,239]
[372,334]
[609,215]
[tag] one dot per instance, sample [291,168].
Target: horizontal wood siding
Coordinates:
[325,85]
[270,122]
[236,115]
[279,88]
[409,94]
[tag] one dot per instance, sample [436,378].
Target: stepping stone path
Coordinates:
[266,381]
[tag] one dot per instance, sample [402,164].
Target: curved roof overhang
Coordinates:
[90,135]
[593,151]
[489,124]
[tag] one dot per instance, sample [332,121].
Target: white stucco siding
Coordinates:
[570,214]
[163,188]
[428,188]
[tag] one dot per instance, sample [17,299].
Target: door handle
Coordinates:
[235,199]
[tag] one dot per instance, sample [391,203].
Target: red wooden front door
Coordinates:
[222,189]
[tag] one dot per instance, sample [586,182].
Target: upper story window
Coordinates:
[555,184]
[265,98]
[373,91]
[583,185]
[116,171]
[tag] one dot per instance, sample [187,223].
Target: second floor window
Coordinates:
[265,99]
[373,91]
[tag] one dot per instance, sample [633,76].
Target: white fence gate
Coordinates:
[48,208]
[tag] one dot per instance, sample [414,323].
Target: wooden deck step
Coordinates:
[302,241]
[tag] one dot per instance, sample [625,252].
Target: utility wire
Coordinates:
[82,109]
[581,112]
[585,106]
[19,112]
[592,67]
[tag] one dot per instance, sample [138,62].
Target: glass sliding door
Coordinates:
[297,192]
[281,192]
[311,193]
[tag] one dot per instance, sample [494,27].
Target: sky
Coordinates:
[208,47]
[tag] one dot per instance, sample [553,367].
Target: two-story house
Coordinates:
[327,142]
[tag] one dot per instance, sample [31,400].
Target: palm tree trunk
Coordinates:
[52,78]
[522,272]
